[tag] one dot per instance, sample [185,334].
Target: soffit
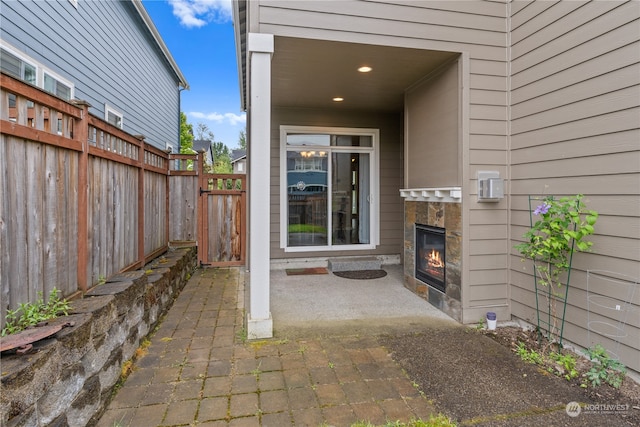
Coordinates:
[309,73]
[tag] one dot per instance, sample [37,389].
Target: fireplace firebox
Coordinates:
[430,255]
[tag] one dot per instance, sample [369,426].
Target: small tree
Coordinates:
[221,158]
[186,135]
[203,132]
[242,139]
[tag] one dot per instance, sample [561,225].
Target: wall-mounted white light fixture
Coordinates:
[490,186]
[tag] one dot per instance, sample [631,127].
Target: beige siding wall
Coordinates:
[477,29]
[391,155]
[433,142]
[575,108]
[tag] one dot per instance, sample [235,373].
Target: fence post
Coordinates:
[141,233]
[81,134]
[202,215]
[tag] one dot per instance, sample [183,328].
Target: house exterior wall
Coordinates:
[391,158]
[575,109]
[106,51]
[478,31]
[433,130]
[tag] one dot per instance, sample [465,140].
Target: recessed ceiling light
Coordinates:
[338,99]
[365,69]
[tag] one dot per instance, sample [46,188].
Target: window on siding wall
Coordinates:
[56,87]
[113,116]
[17,67]
[21,66]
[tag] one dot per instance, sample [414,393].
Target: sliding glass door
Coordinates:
[328,194]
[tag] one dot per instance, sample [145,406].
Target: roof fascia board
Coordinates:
[158,38]
[238,20]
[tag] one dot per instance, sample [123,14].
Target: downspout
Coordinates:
[508,168]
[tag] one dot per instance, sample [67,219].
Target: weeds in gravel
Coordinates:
[604,369]
[433,421]
[529,356]
[565,365]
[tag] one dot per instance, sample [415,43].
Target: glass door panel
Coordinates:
[307,198]
[350,198]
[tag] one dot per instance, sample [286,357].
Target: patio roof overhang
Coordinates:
[309,73]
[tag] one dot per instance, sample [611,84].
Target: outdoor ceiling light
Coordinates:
[365,69]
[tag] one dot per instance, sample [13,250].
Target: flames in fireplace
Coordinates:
[430,260]
[433,263]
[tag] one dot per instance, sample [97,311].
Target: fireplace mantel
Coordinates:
[441,194]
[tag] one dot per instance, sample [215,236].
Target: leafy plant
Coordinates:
[30,314]
[566,365]
[604,369]
[562,227]
[529,356]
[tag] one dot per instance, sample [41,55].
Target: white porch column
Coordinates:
[259,321]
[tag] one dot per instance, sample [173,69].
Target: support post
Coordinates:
[259,321]
[81,134]
[141,207]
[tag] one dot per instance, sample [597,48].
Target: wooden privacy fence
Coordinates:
[209,208]
[81,199]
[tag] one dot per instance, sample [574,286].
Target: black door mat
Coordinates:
[361,274]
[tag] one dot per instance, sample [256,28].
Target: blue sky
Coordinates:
[199,34]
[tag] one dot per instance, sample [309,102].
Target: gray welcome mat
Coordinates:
[361,274]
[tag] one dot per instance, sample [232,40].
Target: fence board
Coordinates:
[183,205]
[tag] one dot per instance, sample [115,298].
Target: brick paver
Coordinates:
[199,371]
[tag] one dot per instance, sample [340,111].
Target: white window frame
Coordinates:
[374,174]
[41,70]
[60,79]
[109,109]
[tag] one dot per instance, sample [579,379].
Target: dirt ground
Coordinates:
[476,378]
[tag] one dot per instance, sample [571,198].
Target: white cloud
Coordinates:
[230,118]
[198,13]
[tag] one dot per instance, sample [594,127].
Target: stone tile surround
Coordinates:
[437,214]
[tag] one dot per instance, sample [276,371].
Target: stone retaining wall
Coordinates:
[68,380]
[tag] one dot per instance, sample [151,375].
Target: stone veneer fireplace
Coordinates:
[440,215]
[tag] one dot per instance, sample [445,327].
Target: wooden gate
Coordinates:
[222,220]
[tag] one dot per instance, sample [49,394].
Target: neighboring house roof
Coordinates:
[163,47]
[202,144]
[237,155]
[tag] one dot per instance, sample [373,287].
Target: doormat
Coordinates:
[361,274]
[306,271]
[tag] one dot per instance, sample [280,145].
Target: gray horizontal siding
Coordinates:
[575,129]
[104,49]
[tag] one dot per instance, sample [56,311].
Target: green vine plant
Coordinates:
[30,314]
[562,226]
